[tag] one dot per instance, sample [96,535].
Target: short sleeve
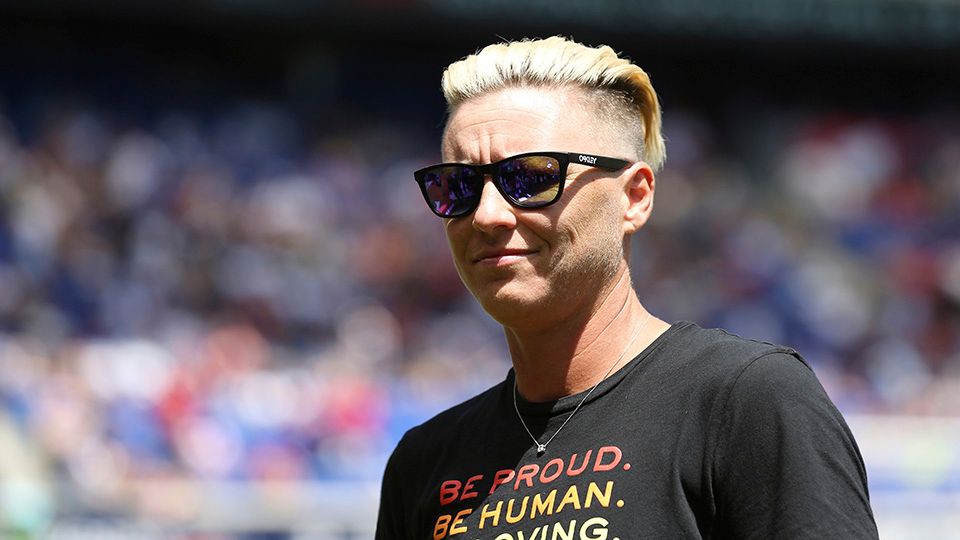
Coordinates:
[785,464]
[391,517]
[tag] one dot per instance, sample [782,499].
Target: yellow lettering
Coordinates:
[572,496]
[495,514]
[599,533]
[594,491]
[533,535]
[541,507]
[457,526]
[523,510]
[560,534]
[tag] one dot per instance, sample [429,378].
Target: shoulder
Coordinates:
[720,357]
[757,390]
[779,453]
[722,345]
[424,439]
[719,374]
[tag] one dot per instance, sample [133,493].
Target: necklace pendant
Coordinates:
[541,448]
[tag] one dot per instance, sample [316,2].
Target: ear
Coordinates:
[639,185]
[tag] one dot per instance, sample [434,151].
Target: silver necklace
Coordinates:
[542,447]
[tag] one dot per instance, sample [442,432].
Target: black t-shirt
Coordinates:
[702,435]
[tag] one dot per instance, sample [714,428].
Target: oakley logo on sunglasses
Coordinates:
[530,180]
[587,159]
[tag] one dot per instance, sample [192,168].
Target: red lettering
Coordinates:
[501,477]
[440,529]
[449,492]
[458,527]
[467,494]
[573,459]
[547,478]
[617,456]
[528,473]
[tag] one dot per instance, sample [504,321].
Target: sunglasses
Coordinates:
[531,180]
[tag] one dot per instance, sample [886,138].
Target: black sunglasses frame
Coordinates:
[563,159]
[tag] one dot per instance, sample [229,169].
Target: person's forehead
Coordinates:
[505,122]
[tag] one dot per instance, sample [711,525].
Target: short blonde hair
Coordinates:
[622,89]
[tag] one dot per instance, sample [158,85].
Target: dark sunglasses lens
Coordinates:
[531,181]
[452,191]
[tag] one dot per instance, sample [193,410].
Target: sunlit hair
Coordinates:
[621,90]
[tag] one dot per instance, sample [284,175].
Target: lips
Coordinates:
[501,255]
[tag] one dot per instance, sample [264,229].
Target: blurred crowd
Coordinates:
[238,296]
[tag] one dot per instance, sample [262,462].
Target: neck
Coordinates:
[574,354]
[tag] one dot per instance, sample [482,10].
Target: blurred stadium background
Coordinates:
[222,301]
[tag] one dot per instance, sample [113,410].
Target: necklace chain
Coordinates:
[542,447]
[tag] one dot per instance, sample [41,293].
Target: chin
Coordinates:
[512,303]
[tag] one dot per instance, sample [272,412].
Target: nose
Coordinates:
[493,211]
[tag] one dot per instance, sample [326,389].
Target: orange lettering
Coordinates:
[547,478]
[573,459]
[458,526]
[440,529]
[528,473]
[617,456]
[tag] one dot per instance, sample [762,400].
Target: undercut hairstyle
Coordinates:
[619,90]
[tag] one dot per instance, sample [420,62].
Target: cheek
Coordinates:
[454,238]
[457,241]
[592,233]
[594,218]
